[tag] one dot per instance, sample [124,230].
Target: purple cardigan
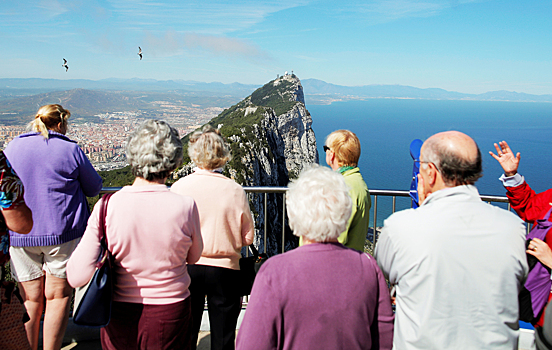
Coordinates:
[318,296]
[57,177]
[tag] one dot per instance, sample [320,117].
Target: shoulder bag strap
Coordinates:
[102,224]
[254,251]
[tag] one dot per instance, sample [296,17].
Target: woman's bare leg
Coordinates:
[58,300]
[32,293]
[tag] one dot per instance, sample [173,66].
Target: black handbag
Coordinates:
[249,266]
[93,301]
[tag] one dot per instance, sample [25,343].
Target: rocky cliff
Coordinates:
[272,140]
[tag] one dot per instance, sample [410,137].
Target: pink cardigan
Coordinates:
[152,234]
[226,221]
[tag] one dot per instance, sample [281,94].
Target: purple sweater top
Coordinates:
[318,296]
[57,177]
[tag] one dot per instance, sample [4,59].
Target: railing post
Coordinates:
[283,222]
[265,222]
[375,222]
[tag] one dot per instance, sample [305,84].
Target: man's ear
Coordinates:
[432,174]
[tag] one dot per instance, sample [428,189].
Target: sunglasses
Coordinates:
[326,148]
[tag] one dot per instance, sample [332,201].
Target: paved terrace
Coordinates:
[82,338]
[88,338]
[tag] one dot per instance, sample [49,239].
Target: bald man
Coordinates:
[457,263]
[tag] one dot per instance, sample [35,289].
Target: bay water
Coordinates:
[386,127]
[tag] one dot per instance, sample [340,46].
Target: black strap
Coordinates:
[254,251]
[102,223]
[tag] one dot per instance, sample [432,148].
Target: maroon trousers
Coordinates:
[152,327]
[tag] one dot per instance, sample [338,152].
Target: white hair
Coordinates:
[154,150]
[318,204]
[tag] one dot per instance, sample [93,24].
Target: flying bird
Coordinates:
[65,65]
[140,52]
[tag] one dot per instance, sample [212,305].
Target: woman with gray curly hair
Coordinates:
[152,234]
[321,295]
[226,226]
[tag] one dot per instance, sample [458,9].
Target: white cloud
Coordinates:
[214,17]
[52,8]
[380,11]
[173,43]
[394,9]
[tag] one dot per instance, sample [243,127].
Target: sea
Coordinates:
[386,127]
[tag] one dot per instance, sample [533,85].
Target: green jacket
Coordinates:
[357,227]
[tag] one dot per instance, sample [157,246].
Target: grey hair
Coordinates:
[455,169]
[318,204]
[207,149]
[154,150]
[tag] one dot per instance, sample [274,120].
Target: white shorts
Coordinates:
[30,263]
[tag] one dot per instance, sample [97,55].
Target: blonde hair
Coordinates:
[346,146]
[47,118]
[207,148]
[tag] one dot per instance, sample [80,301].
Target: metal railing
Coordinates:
[265,190]
[375,194]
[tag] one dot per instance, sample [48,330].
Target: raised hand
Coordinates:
[506,158]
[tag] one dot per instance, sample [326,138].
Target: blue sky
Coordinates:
[460,45]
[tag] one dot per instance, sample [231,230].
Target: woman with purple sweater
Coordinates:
[321,295]
[57,177]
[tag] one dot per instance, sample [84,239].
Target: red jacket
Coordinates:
[529,205]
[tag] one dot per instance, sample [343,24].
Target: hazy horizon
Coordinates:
[243,85]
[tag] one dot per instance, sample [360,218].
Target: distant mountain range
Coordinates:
[20,98]
[321,90]
[48,85]
[19,107]
[81,102]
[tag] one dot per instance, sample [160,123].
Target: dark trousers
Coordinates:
[220,285]
[151,327]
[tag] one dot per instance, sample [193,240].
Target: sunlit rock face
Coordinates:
[270,133]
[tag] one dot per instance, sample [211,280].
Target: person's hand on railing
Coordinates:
[540,250]
[506,158]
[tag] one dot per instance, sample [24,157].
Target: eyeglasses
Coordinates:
[326,148]
[418,162]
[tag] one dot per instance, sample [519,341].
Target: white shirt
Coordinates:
[458,265]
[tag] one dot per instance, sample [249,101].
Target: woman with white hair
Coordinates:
[57,178]
[226,226]
[321,295]
[151,233]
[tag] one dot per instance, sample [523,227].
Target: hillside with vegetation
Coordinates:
[83,104]
[239,124]
[271,138]
[86,104]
